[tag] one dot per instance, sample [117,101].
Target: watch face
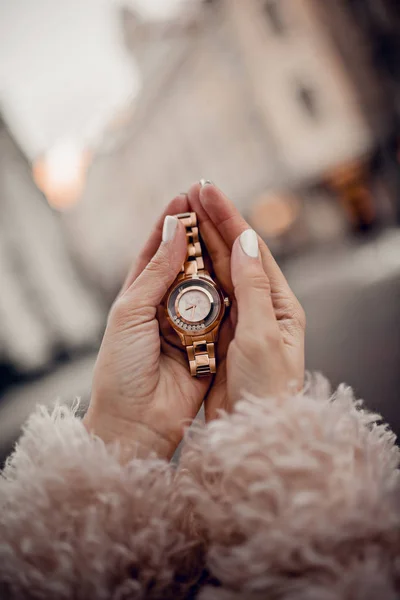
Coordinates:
[194,305]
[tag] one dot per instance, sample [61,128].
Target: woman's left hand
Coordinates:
[143,395]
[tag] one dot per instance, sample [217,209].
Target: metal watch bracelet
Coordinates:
[201,352]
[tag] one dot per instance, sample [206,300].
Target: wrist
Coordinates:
[134,439]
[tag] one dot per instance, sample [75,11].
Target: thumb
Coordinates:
[251,286]
[153,283]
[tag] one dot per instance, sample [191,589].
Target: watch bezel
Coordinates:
[216,321]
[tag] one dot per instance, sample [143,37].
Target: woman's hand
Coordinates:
[143,394]
[261,347]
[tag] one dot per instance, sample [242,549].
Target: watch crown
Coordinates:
[227,302]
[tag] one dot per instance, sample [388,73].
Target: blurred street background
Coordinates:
[109,108]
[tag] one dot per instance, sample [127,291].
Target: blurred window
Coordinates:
[273,12]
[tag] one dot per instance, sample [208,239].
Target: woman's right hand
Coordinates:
[265,331]
[266,355]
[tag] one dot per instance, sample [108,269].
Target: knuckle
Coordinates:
[299,317]
[126,311]
[261,283]
[296,314]
[290,309]
[256,344]
[159,264]
[120,311]
[257,282]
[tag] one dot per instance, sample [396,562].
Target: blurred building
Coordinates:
[47,305]
[280,102]
[261,96]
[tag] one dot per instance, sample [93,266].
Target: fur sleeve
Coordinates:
[74,523]
[297,499]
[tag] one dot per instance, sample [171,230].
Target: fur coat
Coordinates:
[283,499]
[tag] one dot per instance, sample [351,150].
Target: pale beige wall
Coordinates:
[196,119]
[278,63]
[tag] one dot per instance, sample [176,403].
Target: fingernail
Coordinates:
[169,228]
[249,243]
[204,182]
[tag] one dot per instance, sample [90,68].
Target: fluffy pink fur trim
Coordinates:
[289,499]
[297,498]
[74,523]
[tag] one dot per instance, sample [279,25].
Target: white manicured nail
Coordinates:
[249,243]
[169,228]
[204,182]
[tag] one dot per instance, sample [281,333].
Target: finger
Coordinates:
[230,224]
[215,245]
[251,287]
[178,205]
[222,212]
[151,285]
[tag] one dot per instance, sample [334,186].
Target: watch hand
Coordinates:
[194,310]
[189,307]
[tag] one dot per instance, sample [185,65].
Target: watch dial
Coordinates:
[194,305]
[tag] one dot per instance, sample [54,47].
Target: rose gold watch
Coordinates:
[195,304]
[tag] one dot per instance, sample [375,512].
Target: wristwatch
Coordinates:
[195,304]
